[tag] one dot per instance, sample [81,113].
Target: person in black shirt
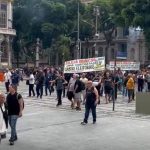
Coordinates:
[14,103]
[39,81]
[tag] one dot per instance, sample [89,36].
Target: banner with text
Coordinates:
[125,65]
[85,65]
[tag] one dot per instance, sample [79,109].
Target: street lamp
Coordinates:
[37,52]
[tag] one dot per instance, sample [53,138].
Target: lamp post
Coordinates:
[97,13]
[37,52]
[78,33]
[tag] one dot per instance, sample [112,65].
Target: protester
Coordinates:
[15,78]
[84,81]
[48,79]
[7,77]
[77,92]
[31,84]
[15,106]
[108,86]
[3,119]
[97,82]
[91,101]
[148,80]
[59,87]
[39,81]
[140,82]
[130,87]
[70,90]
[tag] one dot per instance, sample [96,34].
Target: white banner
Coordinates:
[125,65]
[85,65]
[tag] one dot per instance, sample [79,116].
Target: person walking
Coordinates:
[39,81]
[48,79]
[7,77]
[15,78]
[148,80]
[78,88]
[91,101]
[3,117]
[59,87]
[31,84]
[140,82]
[130,87]
[70,90]
[15,106]
[108,86]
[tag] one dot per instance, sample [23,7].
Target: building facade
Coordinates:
[127,44]
[6,32]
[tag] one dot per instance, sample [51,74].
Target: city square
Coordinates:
[44,126]
[74,74]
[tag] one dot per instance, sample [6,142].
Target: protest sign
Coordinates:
[85,65]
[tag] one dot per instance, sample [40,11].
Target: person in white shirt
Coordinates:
[3,128]
[31,84]
[7,77]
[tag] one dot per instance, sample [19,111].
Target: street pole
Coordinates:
[37,52]
[97,13]
[115,61]
[78,33]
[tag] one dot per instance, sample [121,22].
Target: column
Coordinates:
[9,50]
[10,18]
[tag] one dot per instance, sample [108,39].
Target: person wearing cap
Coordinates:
[3,123]
[91,100]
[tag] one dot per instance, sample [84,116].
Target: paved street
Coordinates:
[45,127]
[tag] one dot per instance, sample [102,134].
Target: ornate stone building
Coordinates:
[6,32]
[129,44]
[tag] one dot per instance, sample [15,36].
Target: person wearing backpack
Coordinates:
[91,100]
[15,106]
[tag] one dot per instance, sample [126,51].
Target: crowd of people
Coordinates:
[80,89]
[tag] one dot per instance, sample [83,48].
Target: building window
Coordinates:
[100,52]
[3,15]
